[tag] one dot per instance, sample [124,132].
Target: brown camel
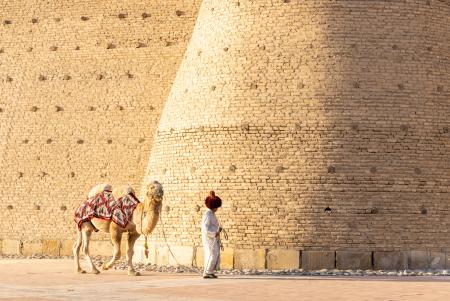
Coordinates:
[145,218]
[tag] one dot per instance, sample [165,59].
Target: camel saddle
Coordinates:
[103,205]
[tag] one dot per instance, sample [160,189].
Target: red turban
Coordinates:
[213,201]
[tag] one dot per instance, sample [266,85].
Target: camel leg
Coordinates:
[116,237]
[132,237]
[76,252]
[86,236]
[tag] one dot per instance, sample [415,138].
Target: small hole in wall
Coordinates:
[57,19]
[7,22]
[20,174]
[179,13]
[25,141]
[63,207]
[254,86]
[197,208]
[423,210]
[100,77]
[34,109]
[440,88]
[331,169]
[232,168]
[122,16]
[72,174]
[327,210]
[91,108]
[59,109]
[9,207]
[167,208]
[286,1]
[225,49]
[129,75]
[245,127]
[356,84]
[84,18]
[42,78]
[145,15]
[9,79]
[213,88]
[29,49]
[1,110]
[77,47]
[109,141]
[110,46]
[141,45]
[152,108]
[37,207]
[141,140]
[34,20]
[80,141]
[53,48]
[67,77]
[49,141]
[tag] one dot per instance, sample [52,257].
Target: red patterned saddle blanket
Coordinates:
[104,206]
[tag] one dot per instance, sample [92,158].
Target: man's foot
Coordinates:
[209,276]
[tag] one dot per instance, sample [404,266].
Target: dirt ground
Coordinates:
[55,280]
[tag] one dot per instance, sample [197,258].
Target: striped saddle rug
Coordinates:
[104,206]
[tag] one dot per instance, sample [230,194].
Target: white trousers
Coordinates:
[211,249]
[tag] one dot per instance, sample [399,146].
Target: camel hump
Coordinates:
[122,190]
[99,188]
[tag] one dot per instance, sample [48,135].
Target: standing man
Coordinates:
[211,236]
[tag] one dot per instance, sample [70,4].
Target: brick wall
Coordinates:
[323,125]
[82,87]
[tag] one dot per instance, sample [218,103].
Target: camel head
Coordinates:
[99,188]
[155,193]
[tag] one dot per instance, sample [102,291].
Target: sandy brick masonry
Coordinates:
[82,87]
[322,124]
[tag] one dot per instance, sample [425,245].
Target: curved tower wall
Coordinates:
[82,87]
[323,125]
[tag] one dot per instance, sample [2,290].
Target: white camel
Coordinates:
[145,218]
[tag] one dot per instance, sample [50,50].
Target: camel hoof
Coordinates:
[81,271]
[105,267]
[133,273]
[95,271]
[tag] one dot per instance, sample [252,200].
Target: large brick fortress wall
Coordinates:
[321,124]
[82,87]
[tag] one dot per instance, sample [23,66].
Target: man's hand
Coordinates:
[220,229]
[217,234]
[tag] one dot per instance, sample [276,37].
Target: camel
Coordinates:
[144,220]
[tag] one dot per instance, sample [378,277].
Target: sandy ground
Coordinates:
[55,280]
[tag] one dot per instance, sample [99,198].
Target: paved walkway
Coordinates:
[39,280]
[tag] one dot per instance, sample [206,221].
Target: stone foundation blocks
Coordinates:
[31,247]
[318,260]
[10,247]
[350,260]
[226,258]
[283,259]
[392,260]
[250,259]
[183,254]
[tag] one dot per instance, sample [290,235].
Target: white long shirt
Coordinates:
[210,226]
